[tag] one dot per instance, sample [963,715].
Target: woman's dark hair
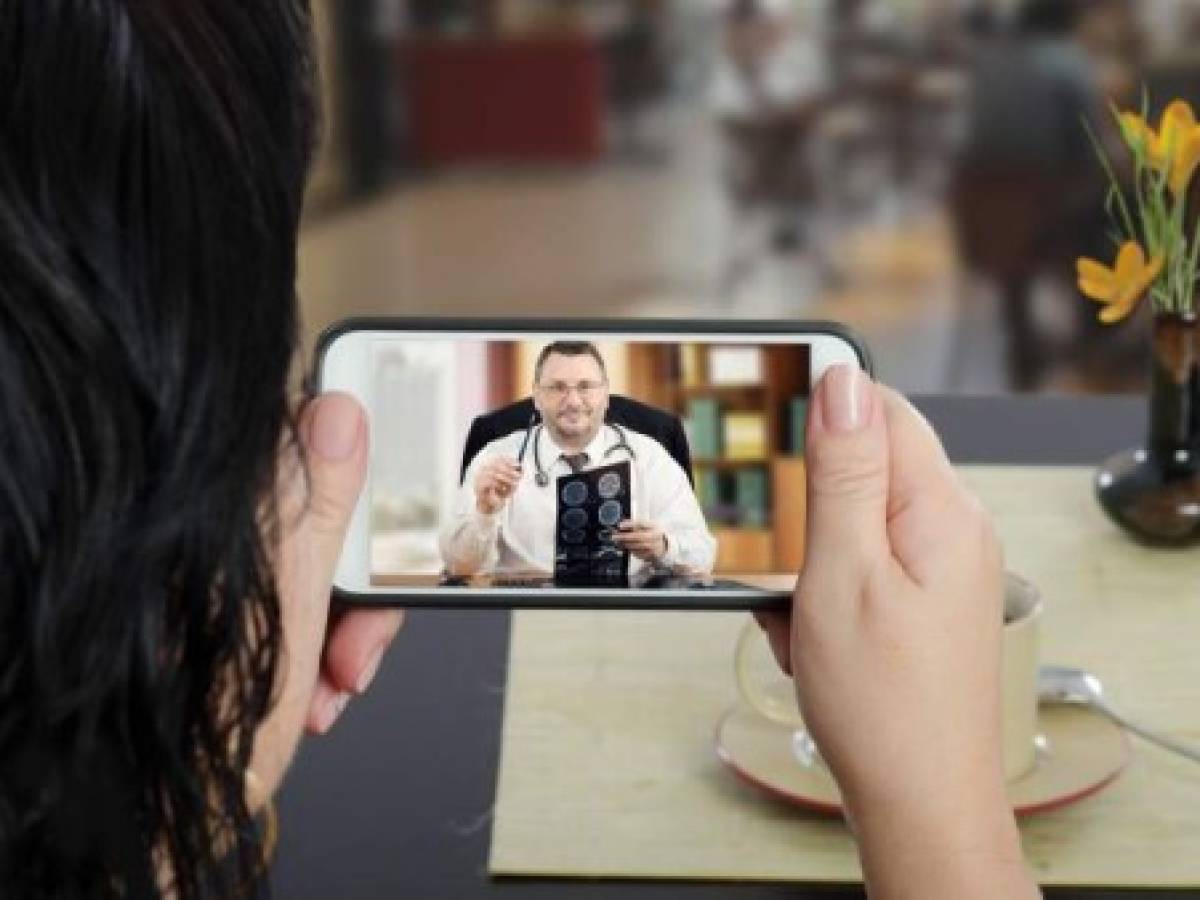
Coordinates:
[152,163]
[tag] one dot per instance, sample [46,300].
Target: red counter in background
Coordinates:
[519,100]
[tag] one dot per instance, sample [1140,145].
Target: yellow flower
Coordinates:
[1142,139]
[1121,287]
[1174,148]
[1187,160]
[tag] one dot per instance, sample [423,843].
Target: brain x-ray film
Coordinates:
[575,463]
[591,506]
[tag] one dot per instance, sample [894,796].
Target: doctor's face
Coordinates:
[572,396]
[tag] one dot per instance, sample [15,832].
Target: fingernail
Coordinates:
[846,398]
[368,672]
[335,428]
[334,709]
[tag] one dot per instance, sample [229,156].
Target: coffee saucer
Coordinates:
[1079,753]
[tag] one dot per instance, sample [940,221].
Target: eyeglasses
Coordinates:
[559,390]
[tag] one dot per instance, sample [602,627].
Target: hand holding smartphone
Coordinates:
[618,464]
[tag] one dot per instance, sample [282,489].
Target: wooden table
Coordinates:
[396,802]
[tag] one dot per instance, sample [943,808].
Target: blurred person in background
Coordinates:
[1030,93]
[638,75]
[1028,196]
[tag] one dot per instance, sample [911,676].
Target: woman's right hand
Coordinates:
[894,641]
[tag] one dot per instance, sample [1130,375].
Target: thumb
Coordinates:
[334,432]
[847,451]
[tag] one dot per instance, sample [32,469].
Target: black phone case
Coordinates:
[723,595]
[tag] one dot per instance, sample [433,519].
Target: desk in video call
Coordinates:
[769,581]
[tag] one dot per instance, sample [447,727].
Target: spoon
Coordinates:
[1061,684]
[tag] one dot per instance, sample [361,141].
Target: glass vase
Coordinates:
[1153,491]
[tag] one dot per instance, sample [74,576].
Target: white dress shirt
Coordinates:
[521,535]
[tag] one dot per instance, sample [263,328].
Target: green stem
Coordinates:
[1161,228]
[1139,192]
[1179,255]
[1122,203]
[1193,264]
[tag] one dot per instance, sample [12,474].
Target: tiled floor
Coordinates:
[644,240]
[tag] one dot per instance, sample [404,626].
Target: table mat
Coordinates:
[608,768]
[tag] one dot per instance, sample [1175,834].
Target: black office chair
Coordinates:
[663,426]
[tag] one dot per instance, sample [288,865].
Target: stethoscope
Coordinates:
[534,429]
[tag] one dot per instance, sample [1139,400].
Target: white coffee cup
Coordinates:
[772,694]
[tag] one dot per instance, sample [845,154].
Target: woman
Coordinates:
[161,609]
[168,529]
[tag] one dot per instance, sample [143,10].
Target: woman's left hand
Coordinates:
[354,647]
[325,659]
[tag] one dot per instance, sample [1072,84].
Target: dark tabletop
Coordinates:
[396,802]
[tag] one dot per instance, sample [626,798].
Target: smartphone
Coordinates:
[634,464]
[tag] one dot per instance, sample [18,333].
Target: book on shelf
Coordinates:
[717,492]
[708,489]
[704,424]
[797,423]
[735,365]
[751,493]
[745,435]
[689,365]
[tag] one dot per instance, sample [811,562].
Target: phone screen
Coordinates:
[581,463]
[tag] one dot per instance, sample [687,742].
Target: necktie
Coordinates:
[576,461]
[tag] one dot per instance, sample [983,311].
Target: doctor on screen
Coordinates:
[504,517]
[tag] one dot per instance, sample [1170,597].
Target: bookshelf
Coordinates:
[743,407]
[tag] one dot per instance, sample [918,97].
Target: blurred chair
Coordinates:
[942,93]
[769,180]
[768,164]
[876,72]
[769,91]
[638,73]
[845,142]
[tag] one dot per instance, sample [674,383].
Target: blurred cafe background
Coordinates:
[918,169]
